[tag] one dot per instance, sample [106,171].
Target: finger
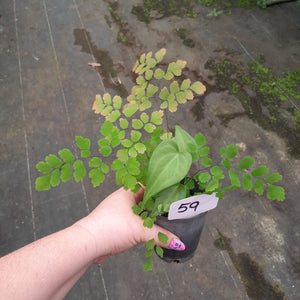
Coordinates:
[138,197]
[173,243]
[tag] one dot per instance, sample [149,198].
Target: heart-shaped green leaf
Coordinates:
[167,167]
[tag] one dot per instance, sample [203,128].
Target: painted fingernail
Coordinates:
[177,245]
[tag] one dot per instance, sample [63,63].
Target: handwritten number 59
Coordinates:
[185,206]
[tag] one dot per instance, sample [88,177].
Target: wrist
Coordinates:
[95,238]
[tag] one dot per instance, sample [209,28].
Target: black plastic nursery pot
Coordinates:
[189,232]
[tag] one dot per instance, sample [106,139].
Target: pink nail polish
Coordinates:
[177,245]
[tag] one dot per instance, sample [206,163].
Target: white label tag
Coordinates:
[192,206]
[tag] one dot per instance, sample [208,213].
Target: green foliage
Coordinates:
[144,153]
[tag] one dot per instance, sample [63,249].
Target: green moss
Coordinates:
[166,8]
[124,32]
[183,33]
[264,97]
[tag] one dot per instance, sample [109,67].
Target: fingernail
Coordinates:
[177,245]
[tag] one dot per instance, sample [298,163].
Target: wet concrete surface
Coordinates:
[47,91]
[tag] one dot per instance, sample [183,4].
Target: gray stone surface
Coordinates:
[47,90]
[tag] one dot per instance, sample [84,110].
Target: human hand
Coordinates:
[115,228]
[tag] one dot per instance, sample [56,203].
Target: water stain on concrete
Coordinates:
[258,92]
[124,35]
[252,275]
[108,69]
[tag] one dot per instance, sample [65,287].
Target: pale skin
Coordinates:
[49,267]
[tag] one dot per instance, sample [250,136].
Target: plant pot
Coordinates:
[189,232]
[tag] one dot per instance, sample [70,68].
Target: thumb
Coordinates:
[173,242]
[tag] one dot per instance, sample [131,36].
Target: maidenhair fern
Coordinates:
[146,154]
[126,122]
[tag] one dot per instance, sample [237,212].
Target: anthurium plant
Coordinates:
[146,154]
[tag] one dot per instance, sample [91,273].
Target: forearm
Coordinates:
[47,268]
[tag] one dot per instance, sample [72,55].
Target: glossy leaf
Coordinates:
[226,163]
[212,186]
[148,222]
[246,163]
[106,111]
[107,99]
[182,139]
[259,186]
[132,152]
[106,128]
[235,181]
[140,148]
[275,177]
[180,97]
[169,76]
[113,116]
[140,80]
[198,88]
[96,177]
[66,173]
[135,136]
[42,183]
[43,167]
[164,94]
[149,127]
[105,151]
[79,170]
[151,90]
[231,151]
[148,265]
[66,155]
[123,123]
[85,153]
[149,253]
[200,139]
[156,117]
[167,166]
[206,162]
[98,104]
[189,95]
[159,55]
[53,161]
[159,74]
[163,238]
[204,177]
[144,117]
[159,251]
[103,142]
[129,181]
[275,192]
[132,166]
[142,58]
[117,164]
[137,124]
[130,109]
[55,178]
[95,162]
[247,183]
[174,87]
[148,74]
[203,151]
[169,195]
[260,171]
[117,102]
[104,168]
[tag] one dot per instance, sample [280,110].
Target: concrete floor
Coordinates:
[47,90]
